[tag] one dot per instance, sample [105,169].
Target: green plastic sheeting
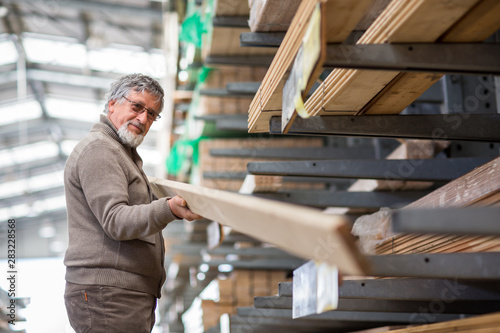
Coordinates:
[192,29]
[179,153]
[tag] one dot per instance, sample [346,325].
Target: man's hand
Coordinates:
[179,207]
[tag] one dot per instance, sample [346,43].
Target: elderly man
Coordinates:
[114,261]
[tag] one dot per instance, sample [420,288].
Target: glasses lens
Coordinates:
[136,107]
[151,115]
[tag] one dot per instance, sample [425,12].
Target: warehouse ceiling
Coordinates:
[57,59]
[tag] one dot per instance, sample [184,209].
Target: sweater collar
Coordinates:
[106,126]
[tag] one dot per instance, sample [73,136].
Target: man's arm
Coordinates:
[104,180]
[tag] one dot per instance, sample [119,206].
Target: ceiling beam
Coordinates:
[55,129]
[105,7]
[32,197]
[59,78]
[32,168]
[58,215]
[41,129]
[69,79]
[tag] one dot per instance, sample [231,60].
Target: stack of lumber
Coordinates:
[231,8]
[218,78]
[376,92]
[409,149]
[271,15]
[480,187]
[222,75]
[348,91]
[230,165]
[225,40]
[342,17]
[238,290]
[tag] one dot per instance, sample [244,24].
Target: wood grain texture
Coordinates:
[342,17]
[225,41]
[480,187]
[272,15]
[477,25]
[231,8]
[401,21]
[489,323]
[302,231]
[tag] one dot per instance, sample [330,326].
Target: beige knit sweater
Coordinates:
[114,221]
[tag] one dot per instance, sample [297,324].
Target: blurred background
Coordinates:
[57,59]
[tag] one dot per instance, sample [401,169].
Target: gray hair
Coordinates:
[134,82]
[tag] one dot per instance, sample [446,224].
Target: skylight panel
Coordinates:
[28,153]
[61,52]
[20,111]
[74,110]
[8,52]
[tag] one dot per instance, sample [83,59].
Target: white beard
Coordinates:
[129,138]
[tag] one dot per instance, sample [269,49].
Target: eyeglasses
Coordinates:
[138,108]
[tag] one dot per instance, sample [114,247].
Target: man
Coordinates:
[114,260]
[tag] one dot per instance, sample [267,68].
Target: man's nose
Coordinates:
[143,117]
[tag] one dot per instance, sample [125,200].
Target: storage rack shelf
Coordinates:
[414,140]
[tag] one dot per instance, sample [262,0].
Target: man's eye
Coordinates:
[137,107]
[151,114]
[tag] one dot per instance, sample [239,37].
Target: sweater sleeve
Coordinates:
[105,180]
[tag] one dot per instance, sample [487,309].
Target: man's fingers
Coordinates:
[184,211]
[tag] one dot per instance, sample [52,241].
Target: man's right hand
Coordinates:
[179,207]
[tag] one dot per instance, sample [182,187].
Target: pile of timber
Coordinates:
[271,15]
[349,91]
[238,290]
[227,169]
[342,18]
[224,40]
[480,187]
[218,78]
[477,324]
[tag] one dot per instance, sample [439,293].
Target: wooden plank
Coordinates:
[409,149]
[465,191]
[272,15]
[477,25]
[231,8]
[478,324]
[343,15]
[225,41]
[401,21]
[481,184]
[302,231]
[269,97]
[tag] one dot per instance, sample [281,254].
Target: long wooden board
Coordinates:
[302,231]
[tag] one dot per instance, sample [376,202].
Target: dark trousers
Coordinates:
[109,309]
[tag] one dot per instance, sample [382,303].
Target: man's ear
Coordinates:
[111,105]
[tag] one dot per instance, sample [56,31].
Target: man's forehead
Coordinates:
[145,97]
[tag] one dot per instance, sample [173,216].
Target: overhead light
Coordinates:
[225,268]
[57,246]
[4,11]
[47,231]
